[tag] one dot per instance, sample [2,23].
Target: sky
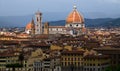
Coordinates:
[98,8]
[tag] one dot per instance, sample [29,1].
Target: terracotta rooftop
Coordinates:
[73,52]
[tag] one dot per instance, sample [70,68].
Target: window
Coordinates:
[71,59]
[77,25]
[65,63]
[85,69]
[68,59]
[65,59]
[78,63]
[70,25]
[68,63]
[98,64]
[90,64]
[37,19]
[98,69]
[90,69]
[75,59]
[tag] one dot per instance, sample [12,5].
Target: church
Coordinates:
[74,25]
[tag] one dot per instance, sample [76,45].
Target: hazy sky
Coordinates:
[26,7]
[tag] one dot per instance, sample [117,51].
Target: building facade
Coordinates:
[96,62]
[114,54]
[49,64]
[72,60]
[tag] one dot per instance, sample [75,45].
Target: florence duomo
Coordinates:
[74,25]
[60,36]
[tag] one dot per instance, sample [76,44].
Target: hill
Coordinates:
[112,23]
[101,22]
[21,21]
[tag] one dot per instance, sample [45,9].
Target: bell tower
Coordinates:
[46,28]
[38,22]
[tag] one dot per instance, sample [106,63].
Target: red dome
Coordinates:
[30,25]
[74,17]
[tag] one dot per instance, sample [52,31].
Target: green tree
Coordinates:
[13,66]
[118,68]
[21,58]
[108,68]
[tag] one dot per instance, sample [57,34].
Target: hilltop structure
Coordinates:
[74,25]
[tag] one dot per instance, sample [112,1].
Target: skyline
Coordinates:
[101,8]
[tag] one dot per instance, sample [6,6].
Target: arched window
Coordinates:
[37,19]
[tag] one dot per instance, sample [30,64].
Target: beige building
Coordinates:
[96,62]
[72,60]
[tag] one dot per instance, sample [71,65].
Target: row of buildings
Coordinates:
[53,60]
[58,53]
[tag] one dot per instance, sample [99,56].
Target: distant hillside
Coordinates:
[96,22]
[103,22]
[21,21]
[112,23]
[14,21]
[57,23]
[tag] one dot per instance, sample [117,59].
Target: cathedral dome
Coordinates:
[74,17]
[30,25]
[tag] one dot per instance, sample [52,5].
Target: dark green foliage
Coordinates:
[116,68]
[21,57]
[108,69]
[16,65]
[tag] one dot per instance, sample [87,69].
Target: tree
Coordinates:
[108,68]
[13,66]
[21,58]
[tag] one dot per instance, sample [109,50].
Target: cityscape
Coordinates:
[73,43]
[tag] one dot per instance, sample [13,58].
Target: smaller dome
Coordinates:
[30,25]
[74,17]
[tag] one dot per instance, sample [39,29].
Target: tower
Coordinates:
[46,28]
[38,21]
[75,22]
